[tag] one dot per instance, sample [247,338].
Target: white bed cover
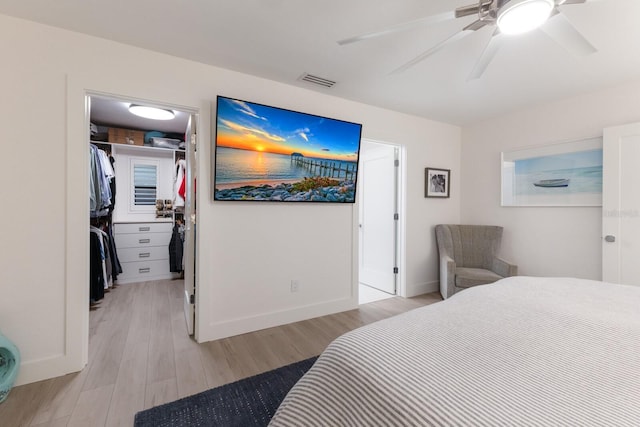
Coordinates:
[520,352]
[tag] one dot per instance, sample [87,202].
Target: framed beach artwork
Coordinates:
[437,182]
[270,154]
[564,174]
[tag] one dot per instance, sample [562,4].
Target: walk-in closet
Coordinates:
[142,219]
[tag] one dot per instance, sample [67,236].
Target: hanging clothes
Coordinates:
[96,272]
[100,175]
[112,186]
[105,163]
[178,183]
[104,255]
[94,190]
[183,188]
[116,268]
[104,263]
[176,247]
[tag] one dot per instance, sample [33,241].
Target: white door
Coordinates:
[190,226]
[621,205]
[378,216]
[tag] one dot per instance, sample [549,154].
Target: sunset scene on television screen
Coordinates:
[247,126]
[259,145]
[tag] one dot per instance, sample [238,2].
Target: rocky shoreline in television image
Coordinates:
[303,191]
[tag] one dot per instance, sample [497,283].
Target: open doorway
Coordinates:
[142,210]
[379,215]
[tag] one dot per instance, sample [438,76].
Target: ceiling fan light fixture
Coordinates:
[521,16]
[152,113]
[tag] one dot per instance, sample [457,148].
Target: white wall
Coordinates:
[247,253]
[543,241]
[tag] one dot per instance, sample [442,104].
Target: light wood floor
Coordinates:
[141,356]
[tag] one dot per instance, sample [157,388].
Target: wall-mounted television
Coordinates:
[265,153]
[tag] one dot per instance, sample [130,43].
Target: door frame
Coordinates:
[190,212]
[612,212]
[76,336]
[401,186]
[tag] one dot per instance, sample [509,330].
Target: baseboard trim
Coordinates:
[244,325]
[423,288]
[45,368]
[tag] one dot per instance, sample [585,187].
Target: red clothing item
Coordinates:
[183,186]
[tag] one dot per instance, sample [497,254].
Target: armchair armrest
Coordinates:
[447,276]
[503,268]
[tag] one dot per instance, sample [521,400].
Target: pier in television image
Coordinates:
[265,153]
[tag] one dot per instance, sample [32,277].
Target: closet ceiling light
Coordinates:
[151,112]
[520,16]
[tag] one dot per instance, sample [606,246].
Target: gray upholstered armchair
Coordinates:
[467,255]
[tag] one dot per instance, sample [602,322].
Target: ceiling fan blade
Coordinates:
[457,36]
[562,3]
[566,35]
[427,20]
[472,9]
[476,25]
[486,57]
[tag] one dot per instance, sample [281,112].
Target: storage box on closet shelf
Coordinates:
[126,136]
[158,142]
[164,208]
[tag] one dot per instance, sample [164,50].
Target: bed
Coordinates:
[523,351]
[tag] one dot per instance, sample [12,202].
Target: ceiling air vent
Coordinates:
[320,81]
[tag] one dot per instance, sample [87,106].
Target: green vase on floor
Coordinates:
[9,365]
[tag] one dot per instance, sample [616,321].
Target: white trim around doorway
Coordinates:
[401,288]
[75,347]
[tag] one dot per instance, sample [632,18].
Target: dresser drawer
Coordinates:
[142,227]
[140,271]
[143,253]
[139,240]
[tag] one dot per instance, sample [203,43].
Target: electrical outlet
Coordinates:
[295,284]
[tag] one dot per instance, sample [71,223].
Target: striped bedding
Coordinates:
[521,352]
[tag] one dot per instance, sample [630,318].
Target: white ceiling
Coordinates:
[115,112]
[282,39]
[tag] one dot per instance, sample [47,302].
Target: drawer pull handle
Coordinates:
[144,240]
[144,228]
[144,270]
[144,254]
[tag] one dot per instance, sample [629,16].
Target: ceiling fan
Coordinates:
[508,17]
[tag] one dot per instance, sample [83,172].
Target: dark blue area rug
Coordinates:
[249,402]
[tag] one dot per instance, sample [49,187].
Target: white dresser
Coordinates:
[143,250]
